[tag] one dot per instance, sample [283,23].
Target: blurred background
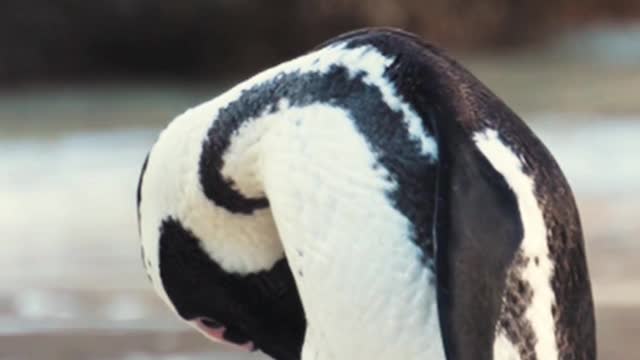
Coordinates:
[85,87]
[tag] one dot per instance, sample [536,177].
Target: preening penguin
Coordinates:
[368,200]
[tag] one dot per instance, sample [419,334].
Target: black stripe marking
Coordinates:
[382,127]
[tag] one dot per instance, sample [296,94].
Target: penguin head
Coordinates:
[223,272]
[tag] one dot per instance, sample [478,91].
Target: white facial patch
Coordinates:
[534,243]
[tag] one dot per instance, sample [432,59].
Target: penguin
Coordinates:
[370,199]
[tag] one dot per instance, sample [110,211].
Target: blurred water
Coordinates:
[70,198]
[605,43]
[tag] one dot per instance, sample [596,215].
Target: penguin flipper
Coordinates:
[478,231]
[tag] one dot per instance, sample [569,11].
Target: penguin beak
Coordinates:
[215,331]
